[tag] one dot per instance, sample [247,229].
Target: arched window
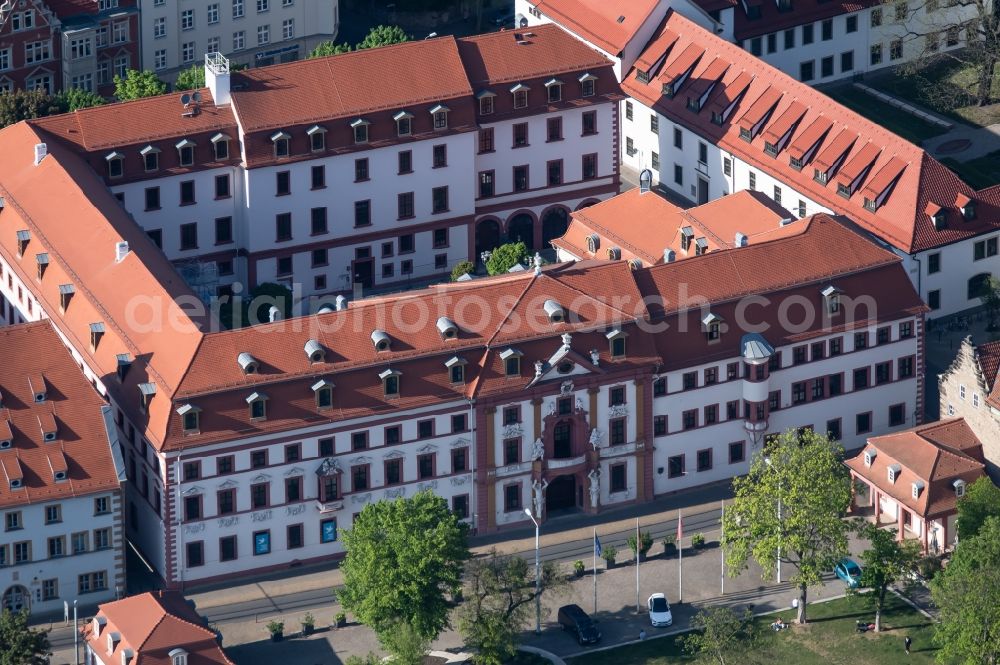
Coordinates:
[979,285]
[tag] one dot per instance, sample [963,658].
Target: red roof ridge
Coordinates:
[510,311]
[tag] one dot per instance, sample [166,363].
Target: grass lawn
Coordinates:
[829,639]
[945,86]
[908,126]
[979,173]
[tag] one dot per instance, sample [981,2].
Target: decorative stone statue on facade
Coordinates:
[538,488]
[595,487]
[595,438]
[537,450]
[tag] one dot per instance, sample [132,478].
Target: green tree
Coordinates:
[884,563]
[18,105]
[326,48]
[138,84]
[407,646]
[267,295]
[191,78]
[967,594]
[721,635]
[505,257]
[383,35]
[800,474]
[462,268]
[75,98]
[981,501]
[19,644]
[370,659]
[643,544]
[499,603]
[989,296]
[402,557]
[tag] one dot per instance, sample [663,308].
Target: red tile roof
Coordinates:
[71,408]
[989,361]
[152,625]
[935,454]
[899,219]
[774,20]
[608,24]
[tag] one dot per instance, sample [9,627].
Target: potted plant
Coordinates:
[640,545]
[308,624]
[698,541]
[340,620]
[669,545]
[277,630]
[608,554]
[578,568]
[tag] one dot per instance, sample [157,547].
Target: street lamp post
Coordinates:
[538,576]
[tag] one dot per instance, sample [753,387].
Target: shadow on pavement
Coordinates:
[315,649]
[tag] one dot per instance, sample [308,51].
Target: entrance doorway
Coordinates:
[522,229]
[17,598]
[487,236]
[363,271]
[561,494]
[702,191]
[554,225]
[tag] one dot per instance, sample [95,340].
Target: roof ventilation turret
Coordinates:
[121,251]
[325,309]
[340,303]
[315,351]
[447,328]
[273,314]
[669,256]
[381,340]
[248,363]
[555,311]
[740,240]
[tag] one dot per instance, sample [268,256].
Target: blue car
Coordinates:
[849,571]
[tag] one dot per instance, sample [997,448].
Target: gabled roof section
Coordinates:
[608,24]
[784,123]
[660,48]
[859,163]
[827,136]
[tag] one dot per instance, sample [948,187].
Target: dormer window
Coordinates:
[146,393]
[98,624]
[42,262]
[66,292]
[381,340]
[447,328]
[113,640]
[323,392]
[700,246]
[150,158]
[116,164]
[185,150]
[831,299]
[937,215]
[258,405]
[819,176]
[870,457]
[47,424]
[404,123]
[614,253]
[281,142]
[440,116]
[247,363]
[360,128]
[687,235]
[959,486]
[588,85]
[178,657]
[190,418]
[893,471]
[6,435]
[390,382]
[36,382]
[23,238]
[456,370]
[712,325]
[554,311]
[220,145]
[127,655]
[553,89]
[511,362]
[317,138]
[520,92]
[96,333]
[967,206]
[124,364]
[870,204]
[314,351]
[916,487]
[486,102]
[616,340]
[593,243]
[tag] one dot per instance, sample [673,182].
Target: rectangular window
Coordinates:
[189,236]
[675,466]
[659,425]
[554,169]
[426,465]
[359,477]
[705,460]
[863,423]
[689,419]
[259,495]
[293,489]
[520,134]
[619,480]
[362,213]
[405,159]
[459,460]
[226,500]
[283,226]
[440,156]
[512,498]
[328,531]
[589,123]
[439,199]
[617,433]
[861,378]
[897,415]
[486,143]
[554,130]
[227,548]
[404,205]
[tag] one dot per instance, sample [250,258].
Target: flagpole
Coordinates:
[595,570]
[722,550]
[680,556]
[638,553]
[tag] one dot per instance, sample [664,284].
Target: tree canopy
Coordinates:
[499,603]
[191,78]
[980,502]
[505,257]
[402,557]
[801,475]
[721,635]
[383,35]
[885,562]
[967,594]
[19,643]
[18,105]
[329,48]
[138,84]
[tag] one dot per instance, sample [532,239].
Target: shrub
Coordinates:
[698,540]
[578,567]
[928,567]
[609,553]
[309,619]
[462,268]
[275,627]
[643,543]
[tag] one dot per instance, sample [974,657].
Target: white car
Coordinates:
[659,610]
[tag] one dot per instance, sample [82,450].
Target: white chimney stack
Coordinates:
[121,251]
[41,149]
[740,240]
[217,78]
[273,314]
[341,303]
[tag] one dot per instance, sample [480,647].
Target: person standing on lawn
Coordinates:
[906,644]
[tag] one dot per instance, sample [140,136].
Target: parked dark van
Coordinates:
[573,619]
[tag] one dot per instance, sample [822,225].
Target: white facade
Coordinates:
[177,33]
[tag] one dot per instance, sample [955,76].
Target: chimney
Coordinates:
[341,303]
[740,240]
[121,251]
[273,314]
[41,150]
[217,78]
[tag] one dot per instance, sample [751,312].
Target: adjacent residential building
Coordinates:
[453,146]
[913,479]
[709,119]
[967,390]
[159,628]
[61,465]
[177,34]
[54,45]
